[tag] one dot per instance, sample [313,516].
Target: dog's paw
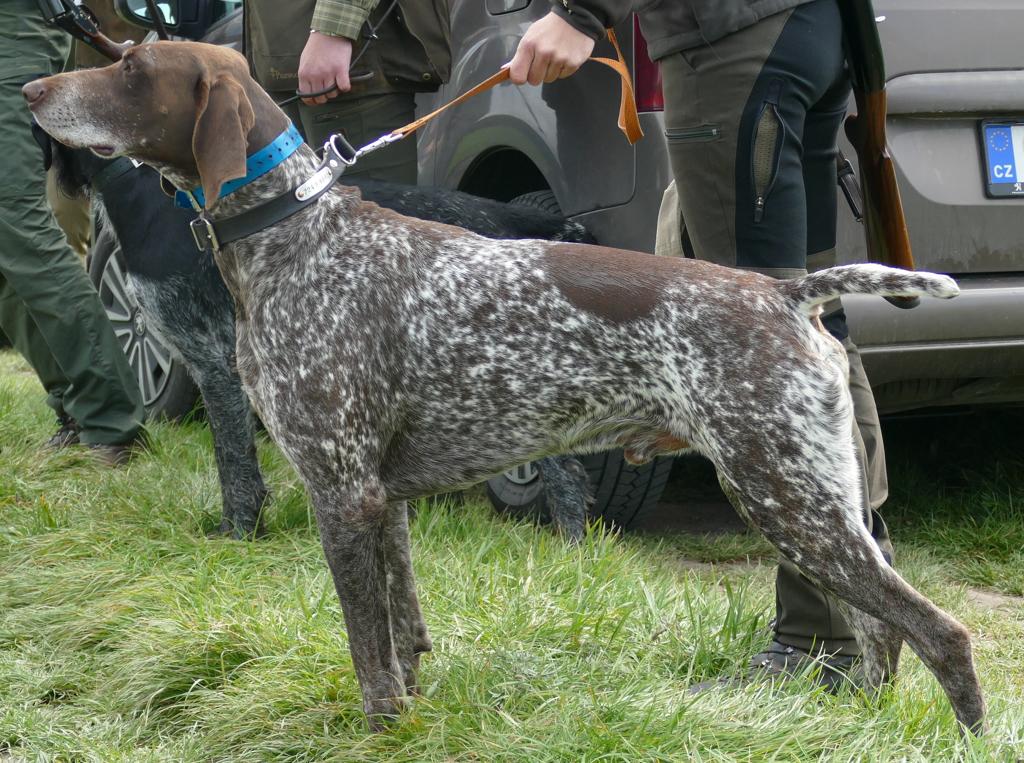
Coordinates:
[385,712]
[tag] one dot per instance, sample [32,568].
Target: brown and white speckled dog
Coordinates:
[392,358]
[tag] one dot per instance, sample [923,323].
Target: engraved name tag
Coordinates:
[314,185]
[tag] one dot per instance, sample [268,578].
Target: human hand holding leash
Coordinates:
[324,64]
[551,49]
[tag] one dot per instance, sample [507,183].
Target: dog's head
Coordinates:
[189,109]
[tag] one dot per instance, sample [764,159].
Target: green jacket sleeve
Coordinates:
[341,18]
[592,17]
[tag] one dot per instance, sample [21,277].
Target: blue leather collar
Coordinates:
[260,163]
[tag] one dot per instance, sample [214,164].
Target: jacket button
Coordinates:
[427,76]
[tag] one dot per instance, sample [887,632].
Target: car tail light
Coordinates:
[646,74]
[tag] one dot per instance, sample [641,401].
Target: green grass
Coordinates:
[126,634]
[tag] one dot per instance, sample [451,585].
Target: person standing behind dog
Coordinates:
[309,45]
[755,94]
[48,307]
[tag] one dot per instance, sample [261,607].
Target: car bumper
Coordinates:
[966,350]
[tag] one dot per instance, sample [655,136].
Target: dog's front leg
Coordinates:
[408,629]
[234,442]
[354,523]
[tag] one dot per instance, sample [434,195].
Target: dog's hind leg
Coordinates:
[815,523]
[880,645]
[354,525]
[242,489]
[408,629]
[942,643]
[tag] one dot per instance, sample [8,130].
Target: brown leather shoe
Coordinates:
[118,454]
[66,436]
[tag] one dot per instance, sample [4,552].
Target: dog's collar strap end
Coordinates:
[338,156]
[256,165]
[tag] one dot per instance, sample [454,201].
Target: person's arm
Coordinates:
[327,55]
[592,17]
[558,44]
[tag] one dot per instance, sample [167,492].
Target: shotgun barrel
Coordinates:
[885,227]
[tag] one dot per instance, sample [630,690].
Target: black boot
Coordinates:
[66,435]
[781,662]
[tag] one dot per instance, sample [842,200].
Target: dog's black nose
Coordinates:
[34,92]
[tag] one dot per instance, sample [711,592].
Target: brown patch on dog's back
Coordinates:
[614,284]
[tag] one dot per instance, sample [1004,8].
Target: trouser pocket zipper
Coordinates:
[700,134]
[766,149]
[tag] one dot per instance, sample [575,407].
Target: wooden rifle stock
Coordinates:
[885,227]
[107,47]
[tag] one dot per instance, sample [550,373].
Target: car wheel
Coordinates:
[622,493]
[167,390]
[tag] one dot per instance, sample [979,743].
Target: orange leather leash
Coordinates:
[629,120]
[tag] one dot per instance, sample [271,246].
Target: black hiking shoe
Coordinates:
[66,435]
[781,662]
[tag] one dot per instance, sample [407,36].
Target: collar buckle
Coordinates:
[204,234]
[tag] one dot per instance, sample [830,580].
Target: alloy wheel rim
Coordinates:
[523,474]
[148,356]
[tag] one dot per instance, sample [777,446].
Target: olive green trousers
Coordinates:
[48,307]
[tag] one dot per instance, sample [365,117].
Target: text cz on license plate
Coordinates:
[1004,158]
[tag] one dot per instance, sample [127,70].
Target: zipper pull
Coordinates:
[759,209]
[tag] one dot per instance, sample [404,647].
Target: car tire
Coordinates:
[542,200]
[623,493]
[167,389]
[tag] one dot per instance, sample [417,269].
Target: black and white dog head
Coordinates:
[75,167]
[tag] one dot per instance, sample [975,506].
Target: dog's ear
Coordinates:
[45,144]
[224,118]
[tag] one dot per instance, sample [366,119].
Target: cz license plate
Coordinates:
[1004,158]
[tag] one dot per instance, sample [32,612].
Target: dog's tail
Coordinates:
[817,288]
